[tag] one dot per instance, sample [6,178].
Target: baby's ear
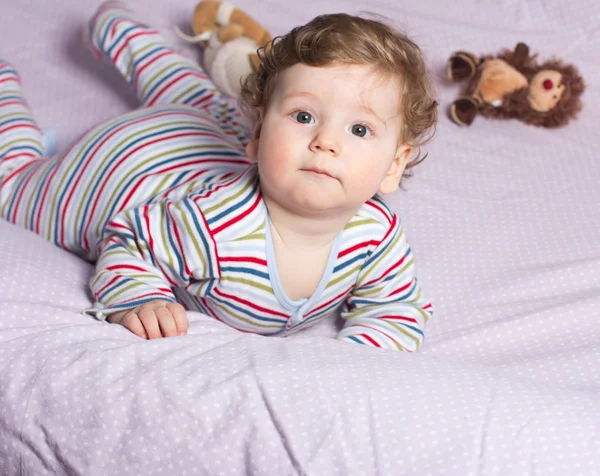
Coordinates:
[391,181]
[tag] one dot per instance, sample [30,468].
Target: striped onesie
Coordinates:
[166,203]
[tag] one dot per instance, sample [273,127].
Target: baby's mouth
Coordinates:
[318,172]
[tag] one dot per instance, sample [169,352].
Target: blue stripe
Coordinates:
[237,205]
[15,192]
[345,264]
[138,225]
[240,269]
[40,188]
[202,235]
[120,37]
[358,341]
[196,95]
[137,62]
[110,128]
[162,80]
[416,329]
[230,304]
[19,119]
[148,171]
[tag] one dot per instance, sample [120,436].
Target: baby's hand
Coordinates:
[153,319]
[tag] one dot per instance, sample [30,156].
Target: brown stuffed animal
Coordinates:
[513,85]
[230,39]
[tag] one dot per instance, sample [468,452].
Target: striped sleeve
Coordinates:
[147,252]
[387,307]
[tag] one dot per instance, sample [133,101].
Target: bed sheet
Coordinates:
[503,222]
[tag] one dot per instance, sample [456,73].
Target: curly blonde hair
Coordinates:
[346,39]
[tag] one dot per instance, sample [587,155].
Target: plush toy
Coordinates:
[230,40]
[514,85]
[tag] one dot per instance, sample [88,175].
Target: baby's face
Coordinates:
[330,139]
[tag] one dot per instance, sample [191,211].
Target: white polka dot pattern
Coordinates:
[85,397]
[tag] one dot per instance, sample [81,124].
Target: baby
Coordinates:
[269,230]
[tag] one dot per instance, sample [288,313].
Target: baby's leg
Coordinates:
[157,73]
[20,148]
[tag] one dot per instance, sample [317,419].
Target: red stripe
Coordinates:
[403,288]
[245,259]
[212,238]
[142,296]
[88,161]
[364,244]
[380,332]
[148,232]
[23,186]
[399,318]
[203,99]
[249,304]
[107,285]
[382,276]
[47,187]
[18,170]
[10,102]
[167,86]
[238,218]
[180,244]
[11,77]
[383,212]
[216,316]
[19,155]
[339,296]
[148,63]
[135,35]
[105,181]
[126,266]
[24,125]
[370,340]
[175,167]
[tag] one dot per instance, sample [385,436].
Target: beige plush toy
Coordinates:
[230,39]
[515,85]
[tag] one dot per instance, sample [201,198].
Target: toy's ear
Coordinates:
[252,29]
[254,61]
[464,110]
[521,53]
[391,181]
[205,16]
[461,66]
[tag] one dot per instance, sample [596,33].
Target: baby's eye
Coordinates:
[303,117]
[360,130]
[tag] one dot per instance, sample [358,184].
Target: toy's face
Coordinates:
[330,139]
[545,90]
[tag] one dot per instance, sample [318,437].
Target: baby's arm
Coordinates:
[387,307]
[146,253]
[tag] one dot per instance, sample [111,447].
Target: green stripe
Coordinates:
[375,264]
[119,187]
[200,251]
[333,282]
[364,221]
[243,319]
[227,200]
[249,282]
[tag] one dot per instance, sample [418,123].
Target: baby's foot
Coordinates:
[108,23]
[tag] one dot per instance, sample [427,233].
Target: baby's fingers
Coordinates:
[132,322]
[149,320]
[166,322]
[178,313]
